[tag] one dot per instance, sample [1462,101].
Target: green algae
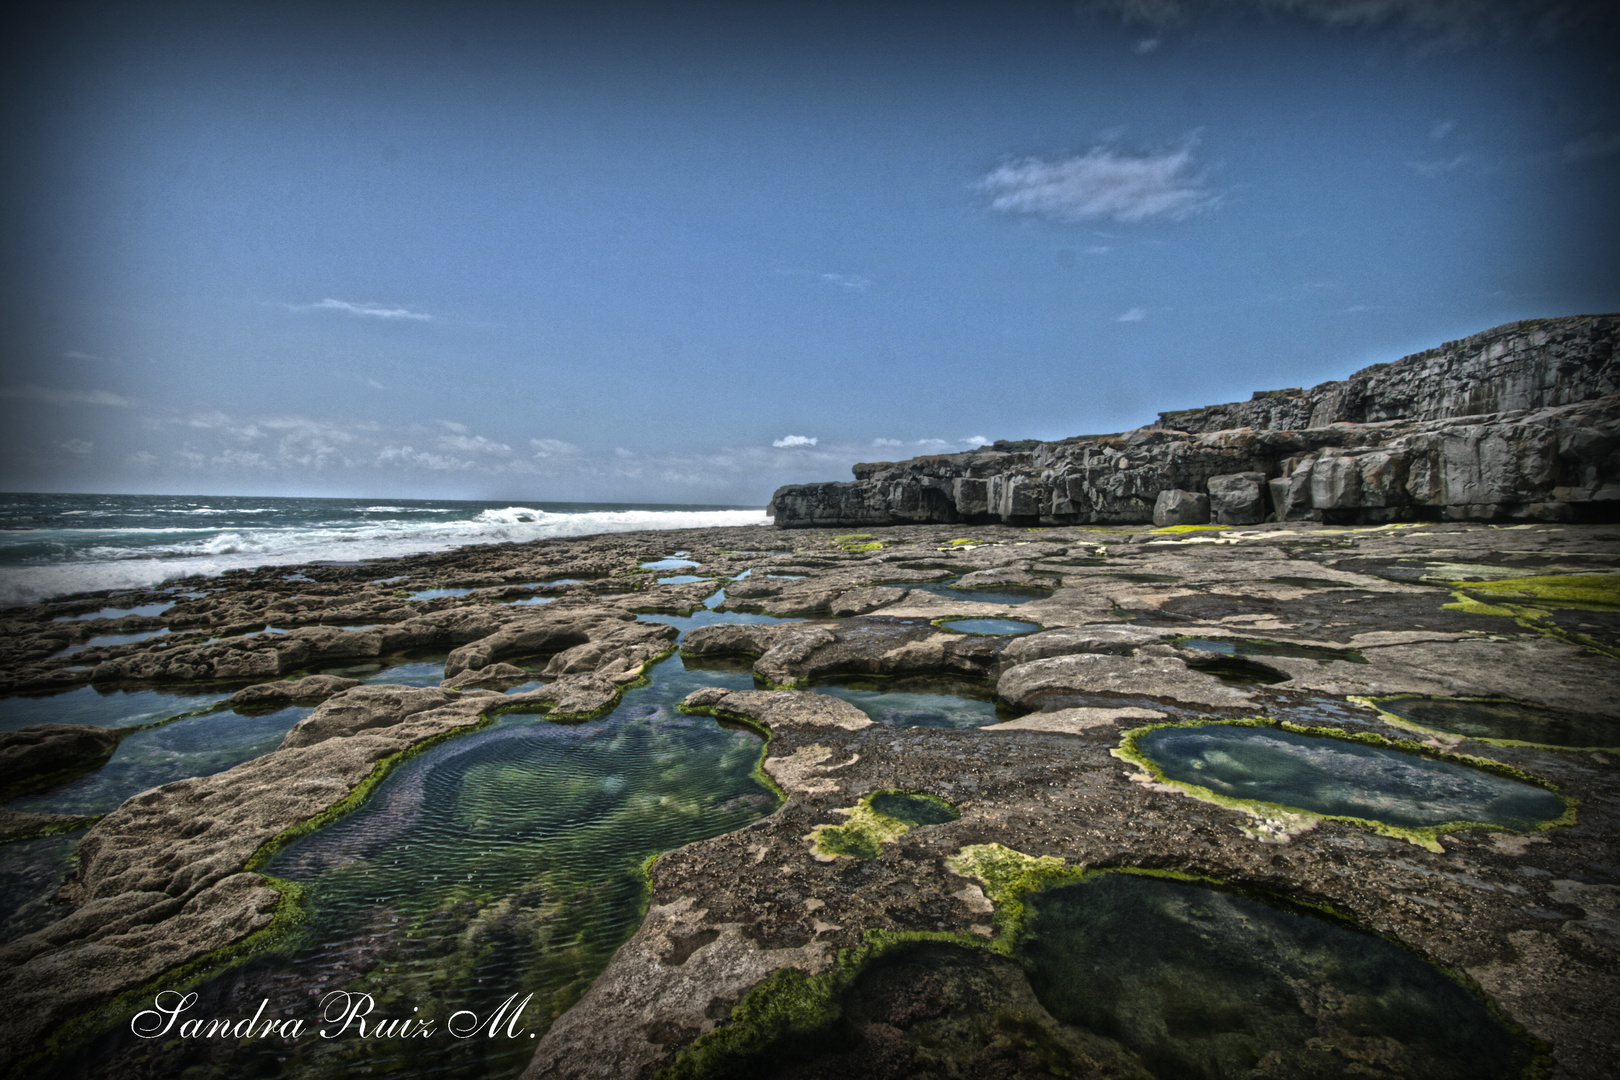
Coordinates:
[1291,792]
[544,875]
[1497,721]
[870,826]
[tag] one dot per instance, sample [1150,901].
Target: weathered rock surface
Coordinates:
[276,694]
[1132,621]
[1519,422]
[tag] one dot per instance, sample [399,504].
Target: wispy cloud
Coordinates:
[77,355]
[1432,169]
[1103,183]
[795,440]
[1441,128]
[853,282]
[52,396]
[374,311]
[1135,314]
[1435,23]
[547,448]
[78,447]
[976,441]
[1597,144]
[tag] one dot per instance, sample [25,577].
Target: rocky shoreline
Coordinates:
[1517,423]
[1317,629]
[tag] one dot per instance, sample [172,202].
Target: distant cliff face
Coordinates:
[1518,422]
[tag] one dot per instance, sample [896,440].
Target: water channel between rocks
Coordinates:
[509,860]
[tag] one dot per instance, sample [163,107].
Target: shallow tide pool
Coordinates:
[1337,777]
[1201,983]
[506,861]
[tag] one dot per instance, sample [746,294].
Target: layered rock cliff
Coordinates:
[1520,422]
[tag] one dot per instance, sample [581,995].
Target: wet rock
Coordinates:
[1119,639]
[276,694]
[1074,721]
[784,708]
[40,755]
[862,601]
[495,676]
[1133,676]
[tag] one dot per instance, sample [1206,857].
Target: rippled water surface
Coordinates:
[507,861]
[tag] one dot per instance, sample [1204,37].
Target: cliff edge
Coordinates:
[1519,422]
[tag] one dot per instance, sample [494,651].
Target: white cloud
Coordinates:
[451,425]
[545,448]
[976,441]
[142,459]
[76,355]
[1135,314]
[1102,183]
[1597,144]
[849,281]
[407,455]
[1432,169]
[1441,129]
[887,442]
[794,440]
[473,444]
[51,396]
[375,385]
[78,447]
[375,311]
[1146,45]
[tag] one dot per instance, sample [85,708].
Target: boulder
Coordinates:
[1177,507]
[1238,498]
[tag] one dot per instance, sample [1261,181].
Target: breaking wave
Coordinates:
[84,556]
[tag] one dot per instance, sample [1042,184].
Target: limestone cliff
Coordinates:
[1518,422]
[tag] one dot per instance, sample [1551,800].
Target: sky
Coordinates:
[689,252]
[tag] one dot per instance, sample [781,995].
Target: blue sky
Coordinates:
[690,252]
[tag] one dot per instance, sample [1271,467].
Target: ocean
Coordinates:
[51,545]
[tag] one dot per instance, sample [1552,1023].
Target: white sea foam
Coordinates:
[110,565]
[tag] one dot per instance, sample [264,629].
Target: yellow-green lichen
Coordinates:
[1575,591]
[1173,530]
[866,830]
[1600,591]
[1278,822]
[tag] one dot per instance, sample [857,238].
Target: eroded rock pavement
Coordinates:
[1273,800]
